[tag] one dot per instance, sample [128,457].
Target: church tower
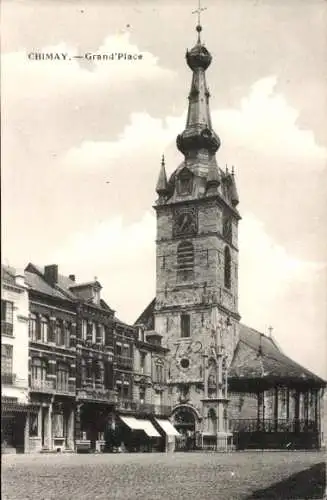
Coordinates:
[196,307]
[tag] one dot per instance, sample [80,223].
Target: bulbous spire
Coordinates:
[198,134]
[199,56]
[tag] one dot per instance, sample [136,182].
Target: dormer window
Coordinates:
[184,184]
[89,292]
[96,295]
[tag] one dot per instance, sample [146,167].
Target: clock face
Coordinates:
[187,354]
[185,222]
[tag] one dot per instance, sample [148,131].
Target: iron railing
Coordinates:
[51,386]
[124,361]
[40,385]
[273,425]
[90,393]
[69,388]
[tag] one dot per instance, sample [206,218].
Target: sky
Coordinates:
[82,144]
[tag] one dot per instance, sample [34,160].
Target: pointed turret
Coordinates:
[162,185]
[234,194]
[198,142]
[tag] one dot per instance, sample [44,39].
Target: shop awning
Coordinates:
[167,427]
[148,428]
[138,424]
[131,422]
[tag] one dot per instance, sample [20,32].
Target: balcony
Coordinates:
[124,361]
[143,408]
[51,386]
[97,395]
[68,389]
[7,329]
[8,378]
[39,385]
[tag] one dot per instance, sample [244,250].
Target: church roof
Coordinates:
[256,356]
[147,316]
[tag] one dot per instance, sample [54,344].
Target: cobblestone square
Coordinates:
[149,476]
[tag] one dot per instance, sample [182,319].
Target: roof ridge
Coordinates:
[283,361]
[260,333]
[56,286]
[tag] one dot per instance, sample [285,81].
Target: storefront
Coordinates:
[169,433]
[138,435]
[14,426]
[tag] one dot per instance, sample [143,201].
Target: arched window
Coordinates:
[227,268]
[184,184]
[185,261]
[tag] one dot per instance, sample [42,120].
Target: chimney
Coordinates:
[51,274]
[72,277]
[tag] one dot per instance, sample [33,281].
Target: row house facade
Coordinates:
[95,394]
[90,374]
[52,361]
[139,373]
[15,407]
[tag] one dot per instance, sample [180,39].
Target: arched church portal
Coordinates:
[184,420]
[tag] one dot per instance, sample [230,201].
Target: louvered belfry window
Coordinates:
[185,261]
[227,267]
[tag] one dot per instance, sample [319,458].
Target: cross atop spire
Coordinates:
[198,12]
